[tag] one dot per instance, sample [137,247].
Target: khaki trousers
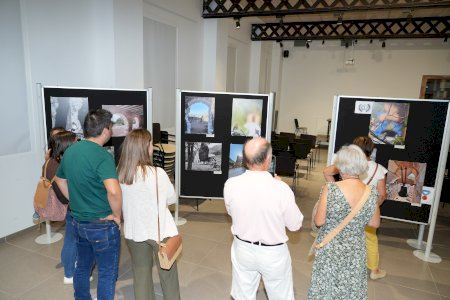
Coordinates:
[142,254]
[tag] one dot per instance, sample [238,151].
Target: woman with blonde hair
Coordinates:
[140,182]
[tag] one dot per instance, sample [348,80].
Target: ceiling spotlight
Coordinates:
[281,20]
[346,44]
[383,45]
[281,44]
[445,39]
[307,44]
[323,42]
[409,17]
[238,22]
[356,41]
[371,41]
[339,20]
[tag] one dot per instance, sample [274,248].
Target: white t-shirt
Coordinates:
[139,207]
[379,175]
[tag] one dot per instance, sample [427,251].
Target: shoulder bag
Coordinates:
[332,234]
[46,203]
[42,189]
[171,249]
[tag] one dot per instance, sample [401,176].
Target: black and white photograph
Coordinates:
[125,118]
[201,156]
[236,161]
[69,113]
[199,115]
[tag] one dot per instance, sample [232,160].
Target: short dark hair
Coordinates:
[365,143]
[96,120]
[61,141]
[259,157]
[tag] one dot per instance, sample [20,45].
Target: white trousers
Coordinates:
[250,262]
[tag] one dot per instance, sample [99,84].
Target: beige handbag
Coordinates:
[42,189]
[171,249]
[332,234]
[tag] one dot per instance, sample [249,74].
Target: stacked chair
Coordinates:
[163,153]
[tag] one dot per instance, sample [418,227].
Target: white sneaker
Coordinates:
[70,280]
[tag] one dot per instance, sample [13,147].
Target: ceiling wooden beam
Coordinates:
[248,8]
[438,27]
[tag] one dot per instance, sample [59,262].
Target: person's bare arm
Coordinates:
[381,188]
[321,213]
[114,193]
[329,173]
[62,184]
[375,221]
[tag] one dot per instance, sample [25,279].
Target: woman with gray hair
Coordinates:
[339,270]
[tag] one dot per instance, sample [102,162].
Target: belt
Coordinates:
[258,243]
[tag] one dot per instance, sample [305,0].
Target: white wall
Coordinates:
[14,125]
[311,77]
[239,39]
[160,52]
[185,16]
[65,43]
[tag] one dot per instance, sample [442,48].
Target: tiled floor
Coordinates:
[32,271]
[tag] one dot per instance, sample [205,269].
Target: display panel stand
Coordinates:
[178,220]
[418,243]
[48,237]
[427,255]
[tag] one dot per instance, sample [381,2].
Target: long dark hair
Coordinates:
[51,136]
[60,142]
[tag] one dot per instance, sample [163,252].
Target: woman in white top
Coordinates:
[375,176]
[137,178]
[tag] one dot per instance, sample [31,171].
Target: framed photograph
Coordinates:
[125,118]
[236,161]
[388,123]
[246,117]
[199,115]
[201,156]
[69,113]
[405,181]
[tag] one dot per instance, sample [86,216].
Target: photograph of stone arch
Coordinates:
[201,156]
[125,118]
[199,115]
[246,117]
[69,113]
[236,161]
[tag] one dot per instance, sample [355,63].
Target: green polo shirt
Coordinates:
[86,165]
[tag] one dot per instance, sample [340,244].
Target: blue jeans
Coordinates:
[99,242]
[69,250]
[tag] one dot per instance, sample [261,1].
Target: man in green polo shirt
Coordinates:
[87,177]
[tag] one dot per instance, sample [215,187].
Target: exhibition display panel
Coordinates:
[211,130]
[412,140]
[408,136]
[67,107]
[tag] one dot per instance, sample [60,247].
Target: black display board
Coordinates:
[423,141]
[95,98]
[209,184]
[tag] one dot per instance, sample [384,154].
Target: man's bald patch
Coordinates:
[256,151]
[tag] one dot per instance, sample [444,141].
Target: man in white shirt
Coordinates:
[261,207]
